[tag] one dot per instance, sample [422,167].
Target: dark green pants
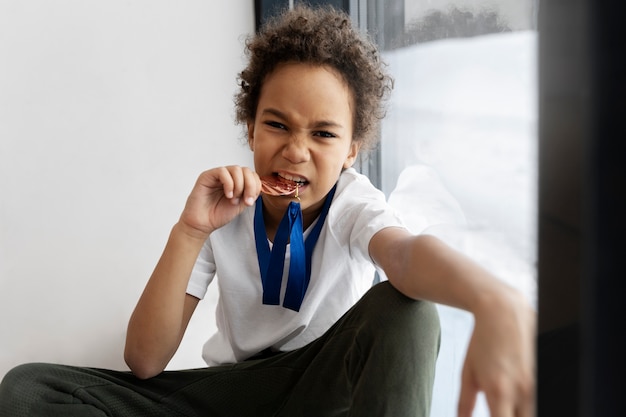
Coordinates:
[377,360]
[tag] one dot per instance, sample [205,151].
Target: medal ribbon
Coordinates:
[272,263]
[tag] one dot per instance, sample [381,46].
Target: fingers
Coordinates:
[499,405]
[506,397]
[527,406]
[510,400]
[467,399]
[218,196]
[524,396]
[240,184]
[500,360]
[501,401]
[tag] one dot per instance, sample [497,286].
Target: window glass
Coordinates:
[458,152]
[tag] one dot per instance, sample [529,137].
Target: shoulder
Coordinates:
[354,187]
[359,208]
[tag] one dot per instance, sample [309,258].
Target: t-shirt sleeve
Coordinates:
[369,220]
[203,272]
[361,213]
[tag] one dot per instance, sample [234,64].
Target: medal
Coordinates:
[271,262]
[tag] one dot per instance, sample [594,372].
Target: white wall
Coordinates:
[108,112]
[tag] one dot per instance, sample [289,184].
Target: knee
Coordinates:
[12,384]
[20,381]
[398,319]
[22,375]
[388,306]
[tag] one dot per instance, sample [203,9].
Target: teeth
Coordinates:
[299,180]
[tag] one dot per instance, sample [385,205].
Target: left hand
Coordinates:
[500,359]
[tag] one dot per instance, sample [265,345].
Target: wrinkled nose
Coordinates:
[296,149]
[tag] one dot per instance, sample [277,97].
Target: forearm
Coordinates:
[159,320]
[423,267]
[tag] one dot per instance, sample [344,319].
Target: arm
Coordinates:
[163,311]
[500,356]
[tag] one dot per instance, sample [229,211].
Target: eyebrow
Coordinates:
[318,124]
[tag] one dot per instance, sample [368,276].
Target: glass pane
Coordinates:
[458,152]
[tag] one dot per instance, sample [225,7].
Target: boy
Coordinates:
[294,245]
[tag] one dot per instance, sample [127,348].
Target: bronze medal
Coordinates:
[277,186]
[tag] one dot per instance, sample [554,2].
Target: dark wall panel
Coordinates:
[582,208]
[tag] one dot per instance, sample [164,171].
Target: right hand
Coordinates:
[219,195]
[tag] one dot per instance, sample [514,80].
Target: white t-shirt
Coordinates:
[341,272]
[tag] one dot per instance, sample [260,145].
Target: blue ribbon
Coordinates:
[272,263]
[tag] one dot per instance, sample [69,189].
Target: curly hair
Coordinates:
[319,36]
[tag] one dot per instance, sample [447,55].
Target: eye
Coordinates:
[324,134]
[276,125]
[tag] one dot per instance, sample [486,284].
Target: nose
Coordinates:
[296,149]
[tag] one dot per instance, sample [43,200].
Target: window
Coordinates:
[458,151]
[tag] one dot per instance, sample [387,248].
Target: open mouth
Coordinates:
[279,185]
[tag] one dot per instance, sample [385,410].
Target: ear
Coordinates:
[352,154]
[251,135]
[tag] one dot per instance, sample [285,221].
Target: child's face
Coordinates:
[303,131]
